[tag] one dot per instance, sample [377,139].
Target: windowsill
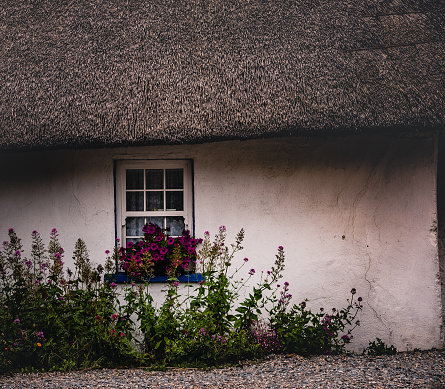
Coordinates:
[122,278]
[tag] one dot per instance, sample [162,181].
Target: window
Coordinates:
[156,191]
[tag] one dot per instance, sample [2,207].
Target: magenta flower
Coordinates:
[107,252]
[245,259]
[353,291]
[252,272]
[280,248]
[17,321]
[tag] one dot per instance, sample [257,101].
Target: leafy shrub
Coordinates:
[54,319]
[378,347]
[50,321]
[304,332]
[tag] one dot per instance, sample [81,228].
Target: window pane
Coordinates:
[175,201]
[135,201]
[174,178]
[135,179]
[133,226]
[155,201]
[159,221]
[176,225]
[155,178]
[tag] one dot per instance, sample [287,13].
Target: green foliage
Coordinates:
[378,347]
[51,319]
[52,322]
[305,332]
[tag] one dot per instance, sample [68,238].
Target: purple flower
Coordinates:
[175,284]
[107,252]
[17,321]
[280,248]
[163,250]
[353,291]
[252,272]
[246,259]
[129,245]
[206,233]
[346,338]
[154,246]
[18,253]
[113,285]
[222,228]
[360,299]
[286,283]
[170,241]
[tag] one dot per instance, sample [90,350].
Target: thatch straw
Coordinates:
[125,72]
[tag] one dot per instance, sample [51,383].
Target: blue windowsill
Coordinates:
[122,278]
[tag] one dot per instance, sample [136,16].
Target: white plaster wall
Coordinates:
[350,212]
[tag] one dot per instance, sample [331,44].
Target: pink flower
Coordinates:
[252,272]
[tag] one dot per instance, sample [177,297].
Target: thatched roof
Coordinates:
[83,73]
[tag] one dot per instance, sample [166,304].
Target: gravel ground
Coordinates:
[425,369]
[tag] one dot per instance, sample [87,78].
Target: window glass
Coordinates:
[175,224]
[155,201]
[135,201]
[159,221]
[155,178]
[133,226]
[135,179]
[175,201]
[174,178]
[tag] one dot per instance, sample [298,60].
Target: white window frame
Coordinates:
[122,213]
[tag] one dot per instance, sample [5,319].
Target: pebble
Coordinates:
[419,369]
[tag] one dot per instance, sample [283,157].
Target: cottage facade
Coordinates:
[315,126]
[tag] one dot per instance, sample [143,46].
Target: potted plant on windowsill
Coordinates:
[158,254]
